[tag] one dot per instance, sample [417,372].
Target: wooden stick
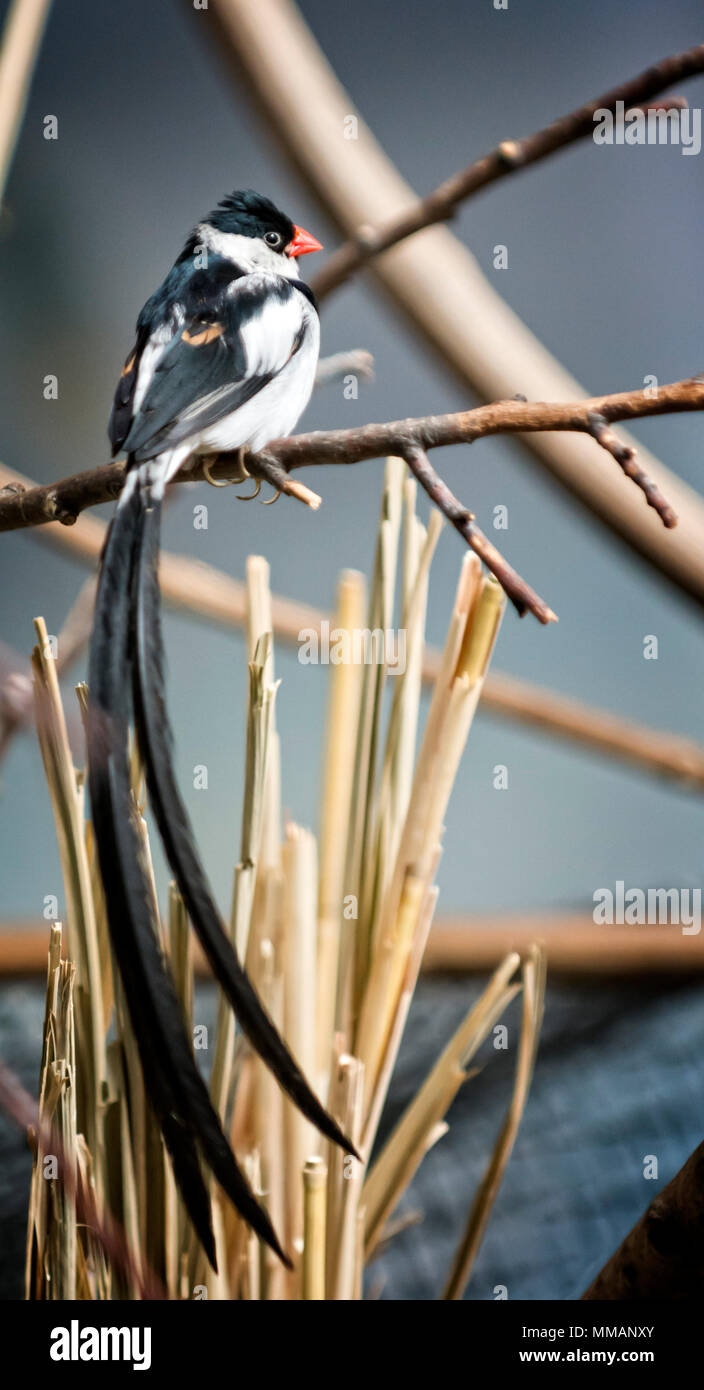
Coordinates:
[335,811]
[347,1086]
[445,735]
[301,878]
[315,1175]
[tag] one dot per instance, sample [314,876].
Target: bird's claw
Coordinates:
[257,489]
[228,482]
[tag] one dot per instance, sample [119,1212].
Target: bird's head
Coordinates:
[248,228]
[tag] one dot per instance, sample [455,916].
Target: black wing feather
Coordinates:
[174,1084]
[154,734]
[121,414]
[203,373]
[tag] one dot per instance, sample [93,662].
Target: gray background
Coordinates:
[605,266]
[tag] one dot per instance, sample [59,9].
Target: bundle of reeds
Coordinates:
[332,933]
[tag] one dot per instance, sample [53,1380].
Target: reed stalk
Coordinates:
[332,935]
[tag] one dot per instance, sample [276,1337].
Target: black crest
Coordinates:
[250,214]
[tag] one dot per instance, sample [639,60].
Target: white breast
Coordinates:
[277,408]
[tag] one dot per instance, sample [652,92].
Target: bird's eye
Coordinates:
[273,239]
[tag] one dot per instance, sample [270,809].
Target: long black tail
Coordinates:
[154,734]
[175,1087]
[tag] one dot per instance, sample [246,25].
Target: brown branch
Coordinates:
[198,588]
[663,1256]
[21,41]
[64,501]
[521,595]
[625,456]
[575,945]
[508,157]
[461,944]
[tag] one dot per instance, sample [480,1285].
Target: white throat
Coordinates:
[251,253]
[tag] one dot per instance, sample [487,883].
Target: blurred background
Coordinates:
[604,267]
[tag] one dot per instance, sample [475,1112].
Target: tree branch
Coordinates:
[63,501]
[522,597]
[356,360]
[625,456]
[465,943]
[192,586]
[433,279]
[21,41]
[506,159]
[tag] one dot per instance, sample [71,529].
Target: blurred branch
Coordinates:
[63,501]
[574,945]
[508,158]
[661,1258]
[21,37]
[357,361]
[211,594]
[434,280]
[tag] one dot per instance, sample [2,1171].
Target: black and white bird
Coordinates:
[224,358]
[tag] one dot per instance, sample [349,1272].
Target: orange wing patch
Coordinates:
[129,364]
[206,335]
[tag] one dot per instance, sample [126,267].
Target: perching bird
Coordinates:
[224,358]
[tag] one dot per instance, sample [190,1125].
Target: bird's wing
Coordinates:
[123,403]
[212,362]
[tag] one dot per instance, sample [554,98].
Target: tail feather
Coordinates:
[174,1084]
[154,734]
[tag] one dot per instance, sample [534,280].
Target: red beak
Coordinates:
[302,243]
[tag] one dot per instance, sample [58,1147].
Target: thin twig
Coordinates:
[506,159]
[625,456]
[522,597]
